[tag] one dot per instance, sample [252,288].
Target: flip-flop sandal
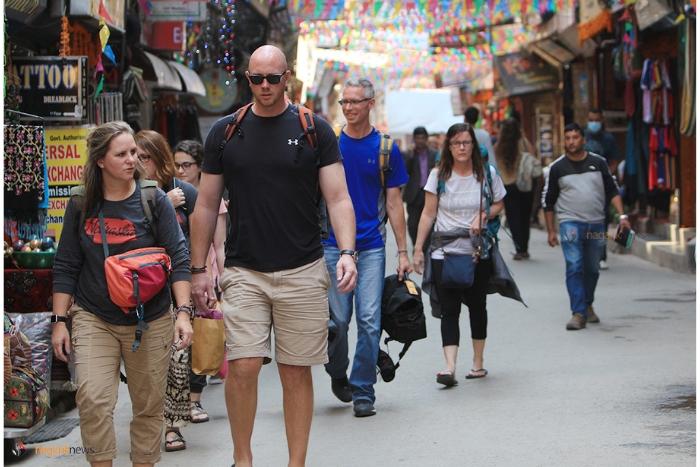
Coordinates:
[469,376]
[196,410]
[172,444]
[448,379]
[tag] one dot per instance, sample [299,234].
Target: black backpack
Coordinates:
[403,318]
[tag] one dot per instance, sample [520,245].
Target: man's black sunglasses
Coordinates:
[272,79]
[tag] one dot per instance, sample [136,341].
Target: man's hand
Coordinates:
[60,341]
[183,331]
[346,274]
[176,197]
[418,261]
[625,223]
[552,238]
[404,265]
[203,294]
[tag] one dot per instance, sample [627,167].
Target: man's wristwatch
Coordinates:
[59,319]
[624,216]
[353,253]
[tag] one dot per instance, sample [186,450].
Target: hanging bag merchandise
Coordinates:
[208,344]
[528,170]
[135,277]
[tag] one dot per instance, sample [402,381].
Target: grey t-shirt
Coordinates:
[79,267]
[459,205]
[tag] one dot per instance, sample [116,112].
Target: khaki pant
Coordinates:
[99,348]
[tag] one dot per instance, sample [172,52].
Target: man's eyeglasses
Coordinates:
[144,157]
[456,144]
[184,166]
[272,79]
[344,102]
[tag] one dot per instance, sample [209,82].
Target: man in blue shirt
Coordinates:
[360,144]
[599,141]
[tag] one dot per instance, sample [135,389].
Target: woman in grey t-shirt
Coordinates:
[454,203]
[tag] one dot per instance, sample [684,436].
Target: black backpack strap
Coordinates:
[233,123]
[402,353]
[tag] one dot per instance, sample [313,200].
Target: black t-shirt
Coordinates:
[272,177]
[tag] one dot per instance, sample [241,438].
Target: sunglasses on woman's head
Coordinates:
[272,79]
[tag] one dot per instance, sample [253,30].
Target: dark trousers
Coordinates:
[451,303]
[518,206]
[197,382]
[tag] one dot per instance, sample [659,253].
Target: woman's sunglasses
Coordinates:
[272,79]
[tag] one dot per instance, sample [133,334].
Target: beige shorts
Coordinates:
[295,300]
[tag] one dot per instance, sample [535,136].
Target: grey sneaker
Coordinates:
[592,317]
[577,322]
[364,408]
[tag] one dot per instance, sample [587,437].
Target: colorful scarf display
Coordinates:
[25,182]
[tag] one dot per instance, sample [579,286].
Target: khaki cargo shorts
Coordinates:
[294,302]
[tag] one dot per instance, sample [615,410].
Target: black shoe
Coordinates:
[341,389]
[364,408]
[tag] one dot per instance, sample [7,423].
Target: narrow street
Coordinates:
[619,393]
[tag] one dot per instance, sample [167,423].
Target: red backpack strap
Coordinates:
[234,122]
[306,117]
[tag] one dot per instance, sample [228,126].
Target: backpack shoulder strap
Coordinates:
[77,194]
[148,201]
[306,117]
[233,123]
[385,146]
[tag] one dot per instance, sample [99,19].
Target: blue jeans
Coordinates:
[583,245]
[368,308]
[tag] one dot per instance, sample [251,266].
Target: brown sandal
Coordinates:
[172,444]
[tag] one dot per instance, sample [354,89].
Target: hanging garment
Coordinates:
[687,126]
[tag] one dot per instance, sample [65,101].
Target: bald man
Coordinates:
[274,269]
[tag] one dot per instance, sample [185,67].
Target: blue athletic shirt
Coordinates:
[361,163]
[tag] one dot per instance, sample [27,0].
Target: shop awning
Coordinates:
[155,69]
[193,84]
[553,53]
[526,74]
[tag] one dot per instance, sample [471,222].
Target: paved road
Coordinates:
[620,393]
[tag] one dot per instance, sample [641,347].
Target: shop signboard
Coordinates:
[24,11]
[54,88]
[545,134]
[526,74]
[178,11]
[222,91]
[66,155]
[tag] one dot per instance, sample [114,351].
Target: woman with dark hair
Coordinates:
[188,155]
[184,391]
[102,333]
[518,170]
[454,202]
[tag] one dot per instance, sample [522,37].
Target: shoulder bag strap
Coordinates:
[105,247]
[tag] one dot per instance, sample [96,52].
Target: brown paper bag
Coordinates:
[208,346]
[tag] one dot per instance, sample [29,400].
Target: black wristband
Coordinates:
[59,319]
[183,309]
[194,270]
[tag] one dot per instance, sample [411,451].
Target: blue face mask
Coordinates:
[594,127]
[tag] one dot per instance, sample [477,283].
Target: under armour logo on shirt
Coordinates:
[371,161]
[294,142]
[591,167]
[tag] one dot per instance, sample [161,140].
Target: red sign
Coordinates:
[168,35]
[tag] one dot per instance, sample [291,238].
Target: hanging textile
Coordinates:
[657,100]
[663,151]
[25,188]
[687,126]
